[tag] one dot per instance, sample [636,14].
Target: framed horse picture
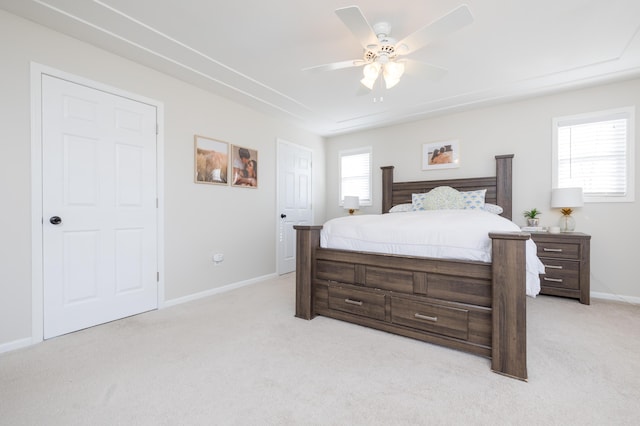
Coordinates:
[211,160]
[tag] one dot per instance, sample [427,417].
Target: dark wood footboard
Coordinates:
[307,241]
[471,306]
[509,305]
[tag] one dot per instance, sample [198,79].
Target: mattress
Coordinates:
[442,234]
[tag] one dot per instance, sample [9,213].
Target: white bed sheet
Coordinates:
[442,234]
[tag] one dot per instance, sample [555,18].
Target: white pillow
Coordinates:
[440,198]
[473,200]
[401,208]
[492,208]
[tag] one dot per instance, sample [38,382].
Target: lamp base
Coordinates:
[567,223]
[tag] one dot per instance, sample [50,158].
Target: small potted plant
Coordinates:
[532,217]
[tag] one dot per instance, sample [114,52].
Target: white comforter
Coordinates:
[443,234]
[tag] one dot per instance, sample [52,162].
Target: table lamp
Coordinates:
[351,203]
[567,199]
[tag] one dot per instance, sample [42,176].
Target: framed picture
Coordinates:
[244,163]
[441,155]
[211,161]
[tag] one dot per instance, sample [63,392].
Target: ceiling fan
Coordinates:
[384,53]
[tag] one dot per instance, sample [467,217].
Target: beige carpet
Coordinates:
[242,358]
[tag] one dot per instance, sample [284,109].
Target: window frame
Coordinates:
[356,151]
[591,117]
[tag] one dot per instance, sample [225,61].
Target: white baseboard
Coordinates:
[216,290]
[16,344]
[23,343]
[616,297]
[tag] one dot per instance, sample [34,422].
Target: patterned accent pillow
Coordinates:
[440,198]
[492,208]
[417,201]
[473,200]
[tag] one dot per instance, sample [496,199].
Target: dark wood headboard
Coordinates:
[499,187]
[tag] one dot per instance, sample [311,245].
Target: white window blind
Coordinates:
[355,175]
[593,152]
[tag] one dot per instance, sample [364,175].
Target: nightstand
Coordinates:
[566,260]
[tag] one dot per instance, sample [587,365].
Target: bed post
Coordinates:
[387,188]
[504,177]
[307,239]
[509,331]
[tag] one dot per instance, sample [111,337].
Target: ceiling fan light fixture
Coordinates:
[370,72]
[368,83]
[392,73]
[391,82]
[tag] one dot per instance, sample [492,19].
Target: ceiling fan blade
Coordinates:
[423,69]
[447,24]
[335,66]
[353,18]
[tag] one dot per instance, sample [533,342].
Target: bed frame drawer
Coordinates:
[365,303]
[453,322]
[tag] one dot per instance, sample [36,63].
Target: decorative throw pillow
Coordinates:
[492,208]
[442,197]
[417,201]
[401,208]
[473,199]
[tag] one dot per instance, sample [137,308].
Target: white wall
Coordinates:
[524,129]
[199,219]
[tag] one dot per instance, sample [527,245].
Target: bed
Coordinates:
[469,305]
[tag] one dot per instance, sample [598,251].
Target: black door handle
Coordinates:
[55,220]
[282,216]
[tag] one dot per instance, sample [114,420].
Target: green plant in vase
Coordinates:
[532,217]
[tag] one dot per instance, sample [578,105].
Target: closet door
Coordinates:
[99,206]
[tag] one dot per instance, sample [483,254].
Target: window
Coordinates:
[355,174]
[595,151]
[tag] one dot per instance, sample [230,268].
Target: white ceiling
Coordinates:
[253,51]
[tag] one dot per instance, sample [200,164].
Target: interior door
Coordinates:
[99,206]
[294,199]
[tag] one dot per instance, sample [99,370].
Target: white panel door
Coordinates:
[294,200]
[99,206]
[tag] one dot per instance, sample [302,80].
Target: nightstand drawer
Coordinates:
[365,303]
[444,320]
[558,250]
[561,273]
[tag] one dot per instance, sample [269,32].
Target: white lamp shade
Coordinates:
[370,72]
[392,73]
[351,202]
[566,198]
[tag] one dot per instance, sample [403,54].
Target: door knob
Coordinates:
[55,220]
[282,216]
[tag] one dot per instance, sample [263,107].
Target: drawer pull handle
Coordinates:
[425,317]
[353,302]
[553,266]
[552,249]
[555,280]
